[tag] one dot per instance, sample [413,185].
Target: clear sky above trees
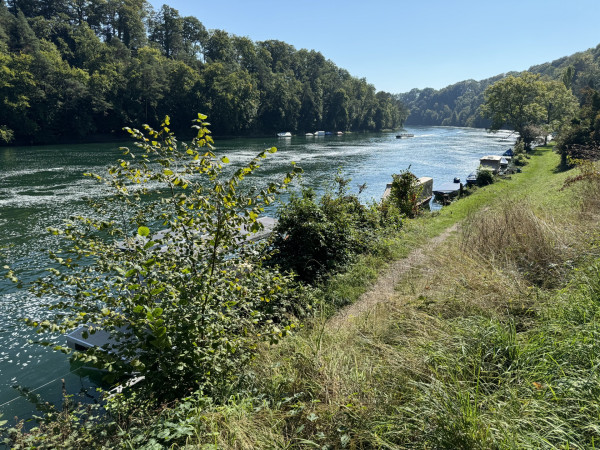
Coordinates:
[399,45]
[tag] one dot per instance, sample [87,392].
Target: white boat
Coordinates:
[284,134]
[309,135]
[340,133]
[319,133]
[77,341]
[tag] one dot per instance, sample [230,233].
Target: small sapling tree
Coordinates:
[185,306]
[405,193]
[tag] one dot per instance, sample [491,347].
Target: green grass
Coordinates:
[471,353]
[494,343]
[539,181]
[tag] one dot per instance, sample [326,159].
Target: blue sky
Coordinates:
[400,45]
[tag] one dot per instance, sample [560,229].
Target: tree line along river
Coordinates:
[42,186]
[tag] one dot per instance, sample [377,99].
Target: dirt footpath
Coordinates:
[384,288]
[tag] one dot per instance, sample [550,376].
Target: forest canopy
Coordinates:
[86,67]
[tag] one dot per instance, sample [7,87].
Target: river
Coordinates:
[41,186]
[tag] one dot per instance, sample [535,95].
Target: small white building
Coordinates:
[492,162]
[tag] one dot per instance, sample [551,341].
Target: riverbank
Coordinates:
[42,186]
[450,345]
[486,343]
[121,136]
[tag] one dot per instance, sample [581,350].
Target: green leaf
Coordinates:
[143,231]
[225,159]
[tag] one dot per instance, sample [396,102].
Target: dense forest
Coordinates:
[88,67]
[460,104]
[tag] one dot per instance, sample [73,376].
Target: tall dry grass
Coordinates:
[515,236]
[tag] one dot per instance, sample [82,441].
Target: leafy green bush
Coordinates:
[519,160]
[184,308]
[405,193]
[484,177]
[318,237]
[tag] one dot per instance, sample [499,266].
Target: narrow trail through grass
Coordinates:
[384,288]
[423,235]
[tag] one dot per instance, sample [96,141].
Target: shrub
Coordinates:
[519,160]
[484,177]
[318,237]
[184,308]
[405,193]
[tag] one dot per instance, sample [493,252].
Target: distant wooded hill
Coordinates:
[460,103]
[73,68]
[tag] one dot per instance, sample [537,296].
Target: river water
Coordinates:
[41,186]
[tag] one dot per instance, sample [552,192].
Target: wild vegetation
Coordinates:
[404,194]
[184,306]
[168,266]
[580,141]
[489,344]
[318,237]
[71,69]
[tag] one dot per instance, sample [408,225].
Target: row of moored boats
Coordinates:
[286,134]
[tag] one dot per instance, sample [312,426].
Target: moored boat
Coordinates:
[284,134]
[446,191]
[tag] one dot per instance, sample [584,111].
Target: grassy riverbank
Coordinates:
[486,337]
[492,343]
